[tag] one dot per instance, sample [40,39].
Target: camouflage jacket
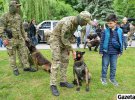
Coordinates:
[14,23]
[63,32]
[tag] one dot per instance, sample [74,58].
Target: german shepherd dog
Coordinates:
[37,58]
[80,71]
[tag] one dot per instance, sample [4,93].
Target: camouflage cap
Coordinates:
[85,15]
[14,3]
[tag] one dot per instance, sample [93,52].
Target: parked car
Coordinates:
[134,36]
[43,28]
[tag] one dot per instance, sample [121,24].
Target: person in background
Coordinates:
[26,26]
[88,29]
[93,40]
[83,32]
[130,34]
[1,41]
[111,47]
[32,30]
[78,36]
[98,30]
[126,28]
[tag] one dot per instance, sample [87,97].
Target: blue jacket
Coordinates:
[106,42]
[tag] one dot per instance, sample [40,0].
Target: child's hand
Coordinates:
[119,55]
[101,54]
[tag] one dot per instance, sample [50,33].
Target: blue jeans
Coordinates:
[106,60]
[78,41]
[1,42]
[125,41]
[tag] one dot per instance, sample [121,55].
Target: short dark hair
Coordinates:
[111,17]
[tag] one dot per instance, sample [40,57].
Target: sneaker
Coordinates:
[66,84]
[16,72]
[54,90]
[114,82]
[103,80]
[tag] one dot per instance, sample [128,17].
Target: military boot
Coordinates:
[66,84]
[30,69]
[54,90]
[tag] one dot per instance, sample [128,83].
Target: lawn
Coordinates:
[35,86]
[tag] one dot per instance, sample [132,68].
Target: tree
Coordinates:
[98,8]
[1,7]
[43,9]
[124,7]
[71,2]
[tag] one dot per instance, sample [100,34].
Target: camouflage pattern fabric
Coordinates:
[16,44]
[60,43]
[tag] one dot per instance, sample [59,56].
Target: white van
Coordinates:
[43,27]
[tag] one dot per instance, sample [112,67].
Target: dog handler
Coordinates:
[60,46]
[13,35]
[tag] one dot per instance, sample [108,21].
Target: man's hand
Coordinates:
[119,55]
[27,39]
[87,40]
[74,54]
[5,42]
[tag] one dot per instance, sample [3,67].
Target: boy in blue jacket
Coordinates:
[111,47]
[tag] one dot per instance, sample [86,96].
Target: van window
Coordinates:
[46,25]
[54,24]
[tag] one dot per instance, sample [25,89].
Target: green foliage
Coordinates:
[43,9]
[3,6]
[98,8]
[71,2]
[125,7]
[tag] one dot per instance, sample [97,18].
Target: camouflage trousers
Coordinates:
[60,60]
[21,50]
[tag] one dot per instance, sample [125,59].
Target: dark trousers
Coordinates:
[1,42]
[78,41]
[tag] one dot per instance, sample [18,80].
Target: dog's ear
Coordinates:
[83,53]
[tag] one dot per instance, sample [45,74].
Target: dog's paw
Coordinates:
[77,89]
[87,89]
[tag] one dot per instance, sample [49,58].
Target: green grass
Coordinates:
[35,86]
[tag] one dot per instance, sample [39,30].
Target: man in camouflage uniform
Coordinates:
[93,40]
[60,47]
[14,37]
